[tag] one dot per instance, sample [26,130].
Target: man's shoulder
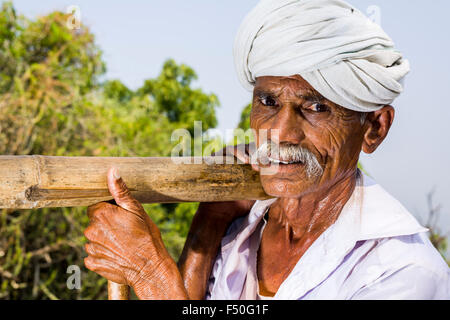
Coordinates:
[405,251]
[382,215]
[407,264]
[390,238]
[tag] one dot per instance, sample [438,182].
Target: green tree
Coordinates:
[172,92]
[45,68]
[244,121]
[52,103]
[243,133]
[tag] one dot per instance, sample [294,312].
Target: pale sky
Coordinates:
[138,36]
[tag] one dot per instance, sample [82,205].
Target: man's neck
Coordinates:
[311,214]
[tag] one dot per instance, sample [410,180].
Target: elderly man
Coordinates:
[323,78]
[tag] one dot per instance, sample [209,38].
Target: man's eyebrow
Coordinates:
[267,92]
[310,95]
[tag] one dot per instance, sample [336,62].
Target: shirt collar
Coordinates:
[382,216]
[373,212]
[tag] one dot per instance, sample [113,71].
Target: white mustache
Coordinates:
[289,153]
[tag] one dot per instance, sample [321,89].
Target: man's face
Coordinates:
[302,117]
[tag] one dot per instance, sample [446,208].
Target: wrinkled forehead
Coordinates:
[296,80]
[293,85]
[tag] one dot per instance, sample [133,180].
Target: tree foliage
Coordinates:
[53,103]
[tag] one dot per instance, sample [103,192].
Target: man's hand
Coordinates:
[126,246]
[228,211]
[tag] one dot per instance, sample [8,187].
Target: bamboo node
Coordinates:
[32,193]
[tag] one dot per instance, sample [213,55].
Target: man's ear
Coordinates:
[376,128]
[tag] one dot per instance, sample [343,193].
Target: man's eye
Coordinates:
[318,107]
[268,101]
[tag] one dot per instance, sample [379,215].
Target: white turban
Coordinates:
[342,54]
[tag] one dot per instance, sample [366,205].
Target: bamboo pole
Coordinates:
[28,182]
[118,291]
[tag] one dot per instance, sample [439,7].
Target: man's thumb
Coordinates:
[121,194]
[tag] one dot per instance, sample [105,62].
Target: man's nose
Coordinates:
[287,126]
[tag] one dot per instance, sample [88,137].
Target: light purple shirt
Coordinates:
[375,250]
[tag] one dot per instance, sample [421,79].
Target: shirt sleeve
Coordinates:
[409,283]
[212,276]
[230,235]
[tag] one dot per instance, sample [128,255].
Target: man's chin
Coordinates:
[285,188]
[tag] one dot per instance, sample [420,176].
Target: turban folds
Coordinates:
[342,54]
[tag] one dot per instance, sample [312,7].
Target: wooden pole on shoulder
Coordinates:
[28,182]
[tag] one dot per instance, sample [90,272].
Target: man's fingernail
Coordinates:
[116,174]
